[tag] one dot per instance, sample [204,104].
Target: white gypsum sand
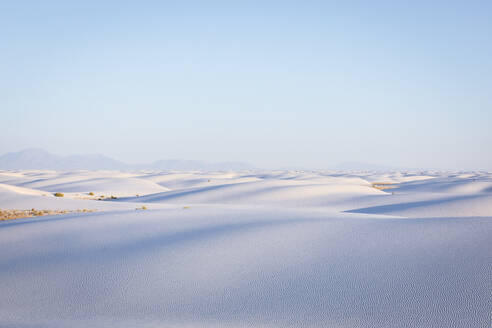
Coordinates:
[247,249]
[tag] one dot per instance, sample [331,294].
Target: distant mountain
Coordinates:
[92,162]
[28,158]
[35,158]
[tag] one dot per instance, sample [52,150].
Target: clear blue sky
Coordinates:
[273,83]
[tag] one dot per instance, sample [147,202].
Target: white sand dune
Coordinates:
[276,192]
[248,249]
[112,183]
[434,205]
[14,190]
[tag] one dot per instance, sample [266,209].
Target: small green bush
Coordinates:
[58,194]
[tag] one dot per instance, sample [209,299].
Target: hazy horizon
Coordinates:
[92,160]
[283,84]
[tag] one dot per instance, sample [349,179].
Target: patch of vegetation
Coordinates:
[91,194]
[19,214]
[114,197]
[383,185]
[58,194]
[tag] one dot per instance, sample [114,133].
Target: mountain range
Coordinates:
[35,158]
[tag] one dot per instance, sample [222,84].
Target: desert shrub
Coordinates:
[144,207]
[58,194]
[91,194]
[113,197]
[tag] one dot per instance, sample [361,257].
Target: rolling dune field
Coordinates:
[246,249]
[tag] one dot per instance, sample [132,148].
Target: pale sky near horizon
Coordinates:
[272,83]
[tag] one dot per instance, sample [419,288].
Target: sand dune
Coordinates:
[248,249]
